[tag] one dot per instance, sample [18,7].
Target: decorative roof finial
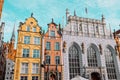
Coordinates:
[74,13]
[31,14]
[52,20]
[103,18]
[59,26]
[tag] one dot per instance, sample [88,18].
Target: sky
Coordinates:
[15,11]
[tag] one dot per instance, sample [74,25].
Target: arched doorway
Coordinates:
[95,76]
[52,76]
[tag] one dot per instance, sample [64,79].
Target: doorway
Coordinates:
[95,76]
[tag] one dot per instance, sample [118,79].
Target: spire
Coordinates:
[103,18]
[74,13]
[67,15]
[13,34]
[31,14]
[52,20]
[59,26]
[110,31]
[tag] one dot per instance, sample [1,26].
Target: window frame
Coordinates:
[26,39]
[57,60]
[28,28]
[47,60]
[35,68]
[57,46]
[24,68]
[36,52]
[26,53]
[34,29]
[48,45]
[37,40]
[52,33]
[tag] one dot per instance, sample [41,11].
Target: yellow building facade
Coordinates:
[29,45]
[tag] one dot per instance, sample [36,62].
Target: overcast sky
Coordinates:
[15,11]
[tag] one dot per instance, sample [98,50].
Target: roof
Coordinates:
[117,32]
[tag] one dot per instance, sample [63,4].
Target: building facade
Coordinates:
[52,53]
[9,69]
[89,49]
[27,62]
[2,52]
[10,57]
[1,6]
[117,39]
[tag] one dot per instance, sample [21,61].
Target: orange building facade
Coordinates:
[1,5]
[52,53]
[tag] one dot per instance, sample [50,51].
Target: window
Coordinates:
[48,45]
[34,29]
[80,27]
[27,28]
[52,33]
[111,72]
[74,61]
[47,59]
[57,46]
[57,59]
[92,57]
[24,68]
[36,53]
[60,76]
[34,77]
[27,39]
[23,78]
[35,68]
[97,29]
[25,53]
[45,76]
[36,40]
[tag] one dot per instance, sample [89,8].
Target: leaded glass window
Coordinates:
[27,39]
[57,46]
[27,28]
[24,68]
[35,68]
[25,52]
[47,59]
[111,73]
[92,57]
[36,53]
[74,62]
[57,59]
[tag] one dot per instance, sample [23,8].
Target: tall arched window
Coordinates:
[92,57]
[74,62]
[111,73]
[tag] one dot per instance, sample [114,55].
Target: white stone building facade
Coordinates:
[90,48]
[9,69]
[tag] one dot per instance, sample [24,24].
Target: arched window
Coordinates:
[92,57]
[74,62]
[111,73]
